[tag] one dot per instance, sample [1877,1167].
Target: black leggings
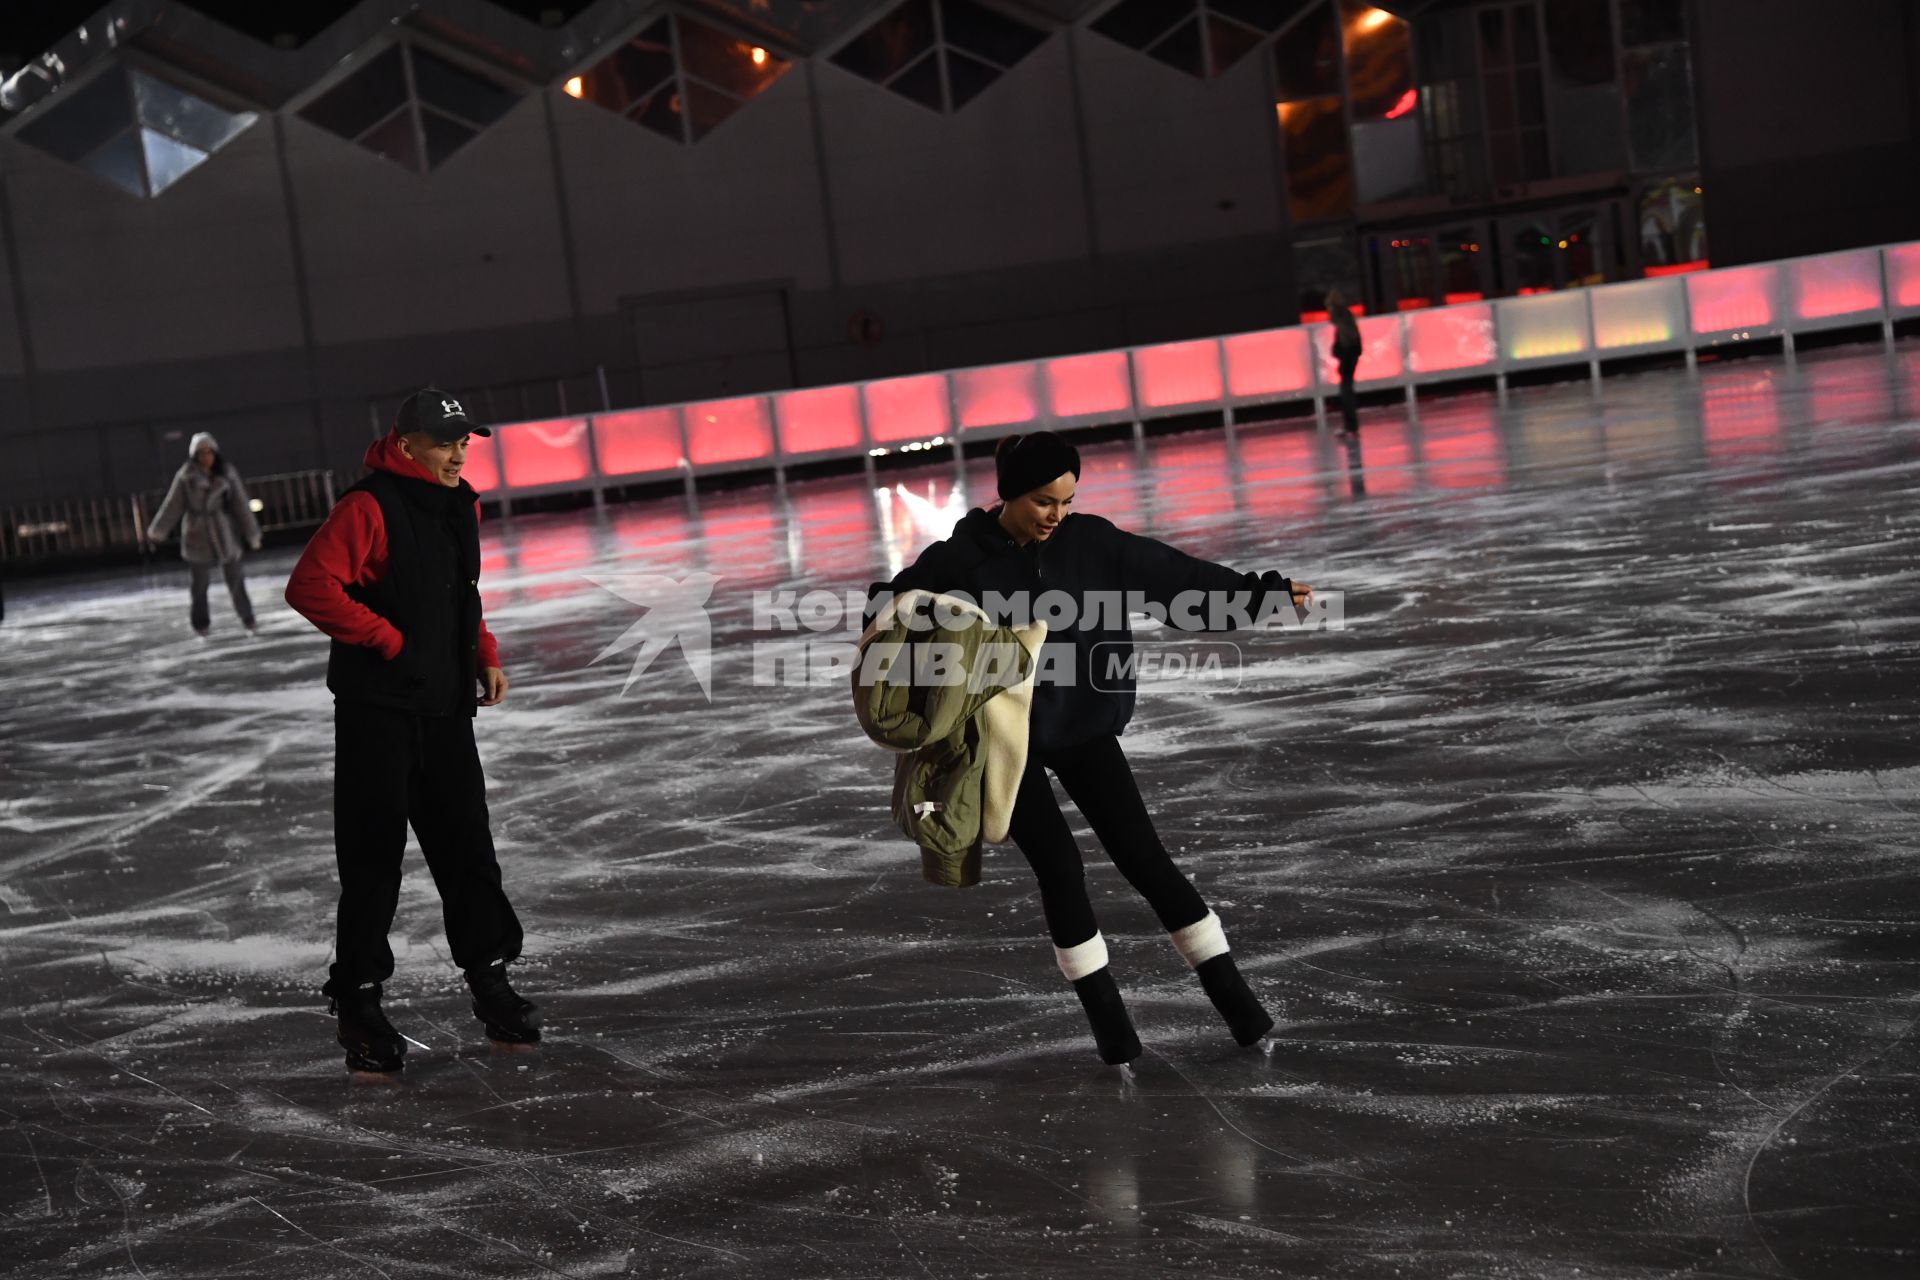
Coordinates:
[1099,782]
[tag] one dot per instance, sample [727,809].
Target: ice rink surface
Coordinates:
[1579,869]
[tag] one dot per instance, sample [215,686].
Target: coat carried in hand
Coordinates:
[950,691]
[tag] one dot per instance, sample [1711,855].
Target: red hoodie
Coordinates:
[351,547]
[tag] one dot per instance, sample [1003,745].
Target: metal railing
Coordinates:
[80,528]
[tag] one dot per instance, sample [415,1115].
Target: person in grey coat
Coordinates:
[210,504]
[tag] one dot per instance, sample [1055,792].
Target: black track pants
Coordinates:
[392,769]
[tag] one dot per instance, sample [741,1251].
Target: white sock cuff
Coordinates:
[1079,961]
[1201,941]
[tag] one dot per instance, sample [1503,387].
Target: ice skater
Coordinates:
[210,504]
[1347,349]
[1031,543]
[393,577]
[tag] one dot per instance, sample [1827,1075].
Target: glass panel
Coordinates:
[1673,225]
[1321,265]
[1389,159]
[1460,264]
[1580,41]
[1319,172]
[1631,315]
[921,83]
[1228,42]
[445,136]
[636,69]
[99,110]
[1379,61]
[363,99]
[120,162]
[985,34]
[1660,108]
[1263,15]
[395,140]
[660,112]
[1651,22]
[885,49]
[194,121]
[968,77]
[1526,36]
[1536,156]
[1306,59]
[1544,328]
[736,67]
[1530,98]
[168,161]
[1499,96]
[1580,251]
[1139,23]
[1493,37]
[1412,259]
[459,92]
[1504,151]
[1587,129]
[1181,48]
[706,108]
[1530,266]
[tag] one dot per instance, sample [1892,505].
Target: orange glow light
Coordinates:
[759,56]
[576,88]
[1372,20]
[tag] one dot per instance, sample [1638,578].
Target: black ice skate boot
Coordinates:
[1085,966]
[371,1043]
[1204,946]
[509,1017]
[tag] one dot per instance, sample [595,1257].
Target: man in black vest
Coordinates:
[393,577]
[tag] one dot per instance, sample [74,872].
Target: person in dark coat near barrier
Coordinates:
[209,503]
[1031,543]
[393,576]
[1347,349]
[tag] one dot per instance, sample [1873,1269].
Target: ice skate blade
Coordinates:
[496,1045]
[1246,1038]
[367,1076]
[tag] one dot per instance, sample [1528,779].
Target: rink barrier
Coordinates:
[1591,326]
[80,528]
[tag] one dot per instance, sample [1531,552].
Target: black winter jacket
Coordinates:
[1086,553]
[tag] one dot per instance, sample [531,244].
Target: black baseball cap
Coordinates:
[437,413]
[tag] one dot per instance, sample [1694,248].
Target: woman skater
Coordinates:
[1031,544]
[208,501]
[1347,349]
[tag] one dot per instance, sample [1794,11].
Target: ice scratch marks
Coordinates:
[325,1244]
[1767,1140]
[190,795]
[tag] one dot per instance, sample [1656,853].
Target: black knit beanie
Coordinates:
[1025,463]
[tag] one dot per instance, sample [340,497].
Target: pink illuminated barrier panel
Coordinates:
[1686,313]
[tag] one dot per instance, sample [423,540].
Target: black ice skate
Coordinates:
[1234,999]
[509,1017]
[1107,1013]
[364,1032]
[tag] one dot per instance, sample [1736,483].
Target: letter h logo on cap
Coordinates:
[438,414]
